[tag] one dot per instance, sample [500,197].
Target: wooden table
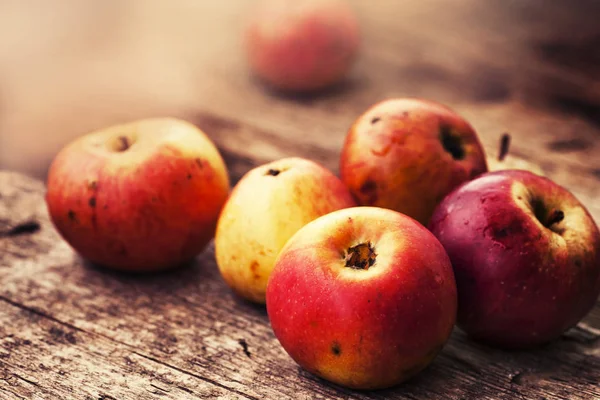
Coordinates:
[69,330]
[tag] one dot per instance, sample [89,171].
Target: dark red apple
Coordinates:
[526,256]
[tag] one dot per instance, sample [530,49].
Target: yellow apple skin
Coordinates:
[363,328]
[140,196]
[266,207]
[407,154]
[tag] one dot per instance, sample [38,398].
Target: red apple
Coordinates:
[407,154]
[139,196]
[363,297]
[266,207]
[526,255]
[302,45]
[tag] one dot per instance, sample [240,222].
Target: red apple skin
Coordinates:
[362,328]
[520,284]
[393,156]
[150,207]
[301,46]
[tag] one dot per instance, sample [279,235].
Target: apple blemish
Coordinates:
[361,256]
[336,349]
[72,216]
[273,172]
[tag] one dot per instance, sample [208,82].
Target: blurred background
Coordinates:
[71,66]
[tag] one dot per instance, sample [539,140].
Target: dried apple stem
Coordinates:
[504,146]
[555,217]
[361,256]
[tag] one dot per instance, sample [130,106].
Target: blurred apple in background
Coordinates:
[267,206]
[140,196]
[364,297]
[302,45]
[407,154]
[526,255]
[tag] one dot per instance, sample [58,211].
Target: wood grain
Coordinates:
[71,330]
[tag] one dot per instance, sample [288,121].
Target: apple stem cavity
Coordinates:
[273,172]
[361,256]
[555,217]
[451,143]
[122,143]
[504,146]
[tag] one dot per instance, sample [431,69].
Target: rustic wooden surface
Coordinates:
[69,330]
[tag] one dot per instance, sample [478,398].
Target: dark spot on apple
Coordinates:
[336,349]
[154,199]
[254,268]
[578,263]
[273,172]
[189,176]
[92,202]
[369,189]
[93,185]
[501,233]
[22,229]
[105,207]
[199,163]
[405,114]
[451,142]
[72,216]
[244,345]
[368,186]
[375,120]
[361,256]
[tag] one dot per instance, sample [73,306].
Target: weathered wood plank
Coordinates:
[188,326]
[45,357]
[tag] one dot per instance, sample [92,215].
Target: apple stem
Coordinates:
[504,146]
[555,217]
[124,143]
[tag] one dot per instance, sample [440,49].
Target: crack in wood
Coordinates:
[183,371]
[192,374]
[41,314]
[16,396]
[23,228]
